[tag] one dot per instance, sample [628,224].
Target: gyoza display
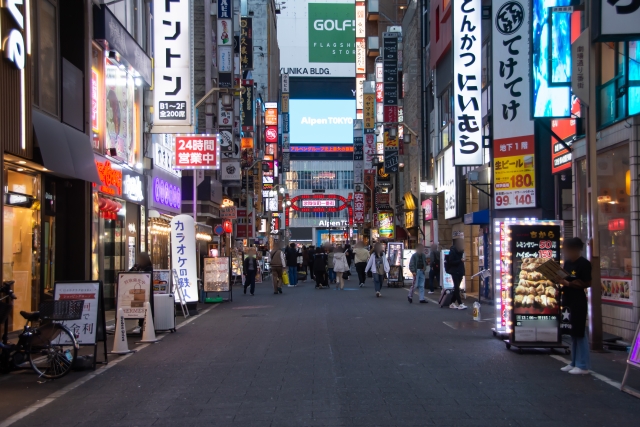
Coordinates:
[534,291]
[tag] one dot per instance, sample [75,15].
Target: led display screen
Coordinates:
[551,77]
[322,121]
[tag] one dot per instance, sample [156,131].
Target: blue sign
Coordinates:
[285,122]
[224,9]
[219,230]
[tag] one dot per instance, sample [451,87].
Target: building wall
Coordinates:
[440,32]
[198,59]
[266,54]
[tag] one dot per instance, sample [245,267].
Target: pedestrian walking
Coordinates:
[291,255]
[278,263]
[320,268]
[455,267]
[348,252]
[379,266]
[418,265]
[249,270]
[574,304]
[361,256]
[340,266]
[305,261]
[332,274]
[434,271]
[312,251]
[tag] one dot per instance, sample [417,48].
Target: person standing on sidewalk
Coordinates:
[340,266]
[330,272]
[320,268]
[291,255]
[305,261]
[249,270]
[434,271]
[379,267]
[455,267]
[312,251]
[278,263]
[361,256]
[574,304]
[418,265]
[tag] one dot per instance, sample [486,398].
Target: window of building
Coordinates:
[131,14]
[446,118]
[45,56]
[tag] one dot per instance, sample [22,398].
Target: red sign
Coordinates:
[616,224]
[227,226]
[358,208]
[390,114]
[271,134]
[110,179]
[197,152]
[427,208]
[379,92]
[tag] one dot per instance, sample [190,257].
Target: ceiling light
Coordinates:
[22,162]
[20,169]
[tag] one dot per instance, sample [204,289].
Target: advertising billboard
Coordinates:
[321,121]
[318,38]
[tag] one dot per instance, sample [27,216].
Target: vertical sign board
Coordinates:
[386,227]
[513,133]
[134,289]
[246,106]
[358,154]
[535,312]
[285,83]
[224,43]
[183,257]
[467,71]
[358,208]
[246,43]
[173,75]
[450,188]
[390,67]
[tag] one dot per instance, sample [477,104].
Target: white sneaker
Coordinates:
[136,330]
[378,294]
[110,328]
[462,307]
[453,305]
[578,371]
[430,292]
[567,368]
[290,286]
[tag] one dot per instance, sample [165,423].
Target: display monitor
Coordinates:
[321,121]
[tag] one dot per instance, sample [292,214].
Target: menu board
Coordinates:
[161,282]
[395,250]
[536,300]
[86,327]
[216,274]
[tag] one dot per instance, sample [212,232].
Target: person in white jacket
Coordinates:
[340,265]
[379,266]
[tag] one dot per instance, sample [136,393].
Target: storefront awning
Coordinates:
[477,218]
[64,149]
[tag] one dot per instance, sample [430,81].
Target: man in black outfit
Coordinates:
[291,255]
[455,267]
[312,251]
[249,269]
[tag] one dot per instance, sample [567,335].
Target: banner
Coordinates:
[183,257]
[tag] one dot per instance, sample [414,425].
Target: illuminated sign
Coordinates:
[318,203]
[271,134]
[467,92]
[197,152]
[166,194]
[386,228]
[427,209]
[110,178]
[271,117]
[450,187]
[358,208]
[514,174]
[132,186]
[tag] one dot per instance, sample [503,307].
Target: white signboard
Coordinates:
[183,257]
[134,289]
[467,73]
[317,38]
[173,90]
[450,189]
[285,83]
[511,94]
[620,18]
[225,59]
[231,171]
[86,327]
[229,212]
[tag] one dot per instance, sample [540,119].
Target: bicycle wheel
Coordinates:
[52,351]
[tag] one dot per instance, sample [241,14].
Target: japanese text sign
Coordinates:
[514,173]
[467,72]
[358,208]
[197,152]
[134,289]
[271,117]
[450,187]
[386,228]
[246,43]
[173,91]
[86,327]
[183,257]
[110,178]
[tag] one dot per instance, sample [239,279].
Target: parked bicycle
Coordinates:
[50,347]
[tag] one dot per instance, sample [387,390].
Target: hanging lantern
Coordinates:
[102,203]
[228,227]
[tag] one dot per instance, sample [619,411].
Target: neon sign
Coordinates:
[166,194]
[110,179]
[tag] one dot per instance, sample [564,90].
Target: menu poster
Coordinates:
[406,259]
[536,299]
[161,282]
[216,274]
[85,328]
[395,250]
[617,290]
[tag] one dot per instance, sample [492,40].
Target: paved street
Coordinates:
[328,358]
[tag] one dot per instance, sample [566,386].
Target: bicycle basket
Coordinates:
[61,310]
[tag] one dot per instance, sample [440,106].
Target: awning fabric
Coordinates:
[65,150]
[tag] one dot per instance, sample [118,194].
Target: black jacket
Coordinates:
[454,264]
[291,255]
[245,265]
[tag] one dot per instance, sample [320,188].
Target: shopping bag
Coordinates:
[285,278]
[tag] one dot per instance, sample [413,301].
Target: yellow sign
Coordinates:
[246,143]
[390,142]
[514,174]
[284,106]
[369,110]
[409,219]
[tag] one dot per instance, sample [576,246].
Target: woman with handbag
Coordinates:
[379,266]
[340,266]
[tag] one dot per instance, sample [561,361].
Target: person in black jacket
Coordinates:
[320,268]
[291,254]
[249,270]
[455,267]
[312,251]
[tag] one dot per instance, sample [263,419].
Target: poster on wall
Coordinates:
[617,290]
[317,39]
[216,274]
[536,300]
[514,173]
[395,257]
[134,289]
[408,253]
[161,282]
[120,108]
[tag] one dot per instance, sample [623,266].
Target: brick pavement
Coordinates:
[328,358]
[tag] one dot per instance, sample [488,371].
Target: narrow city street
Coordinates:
[326,358]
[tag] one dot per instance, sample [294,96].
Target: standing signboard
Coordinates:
[183,257]
[173,74]
[534,307]
[632,361]
[161,282]
[217,275]
[134,289]
[394,251]
[467,54]
[91,328]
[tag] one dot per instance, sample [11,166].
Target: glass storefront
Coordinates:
[22,240]
[159,242]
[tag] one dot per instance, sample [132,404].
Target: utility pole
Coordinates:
[595,297]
